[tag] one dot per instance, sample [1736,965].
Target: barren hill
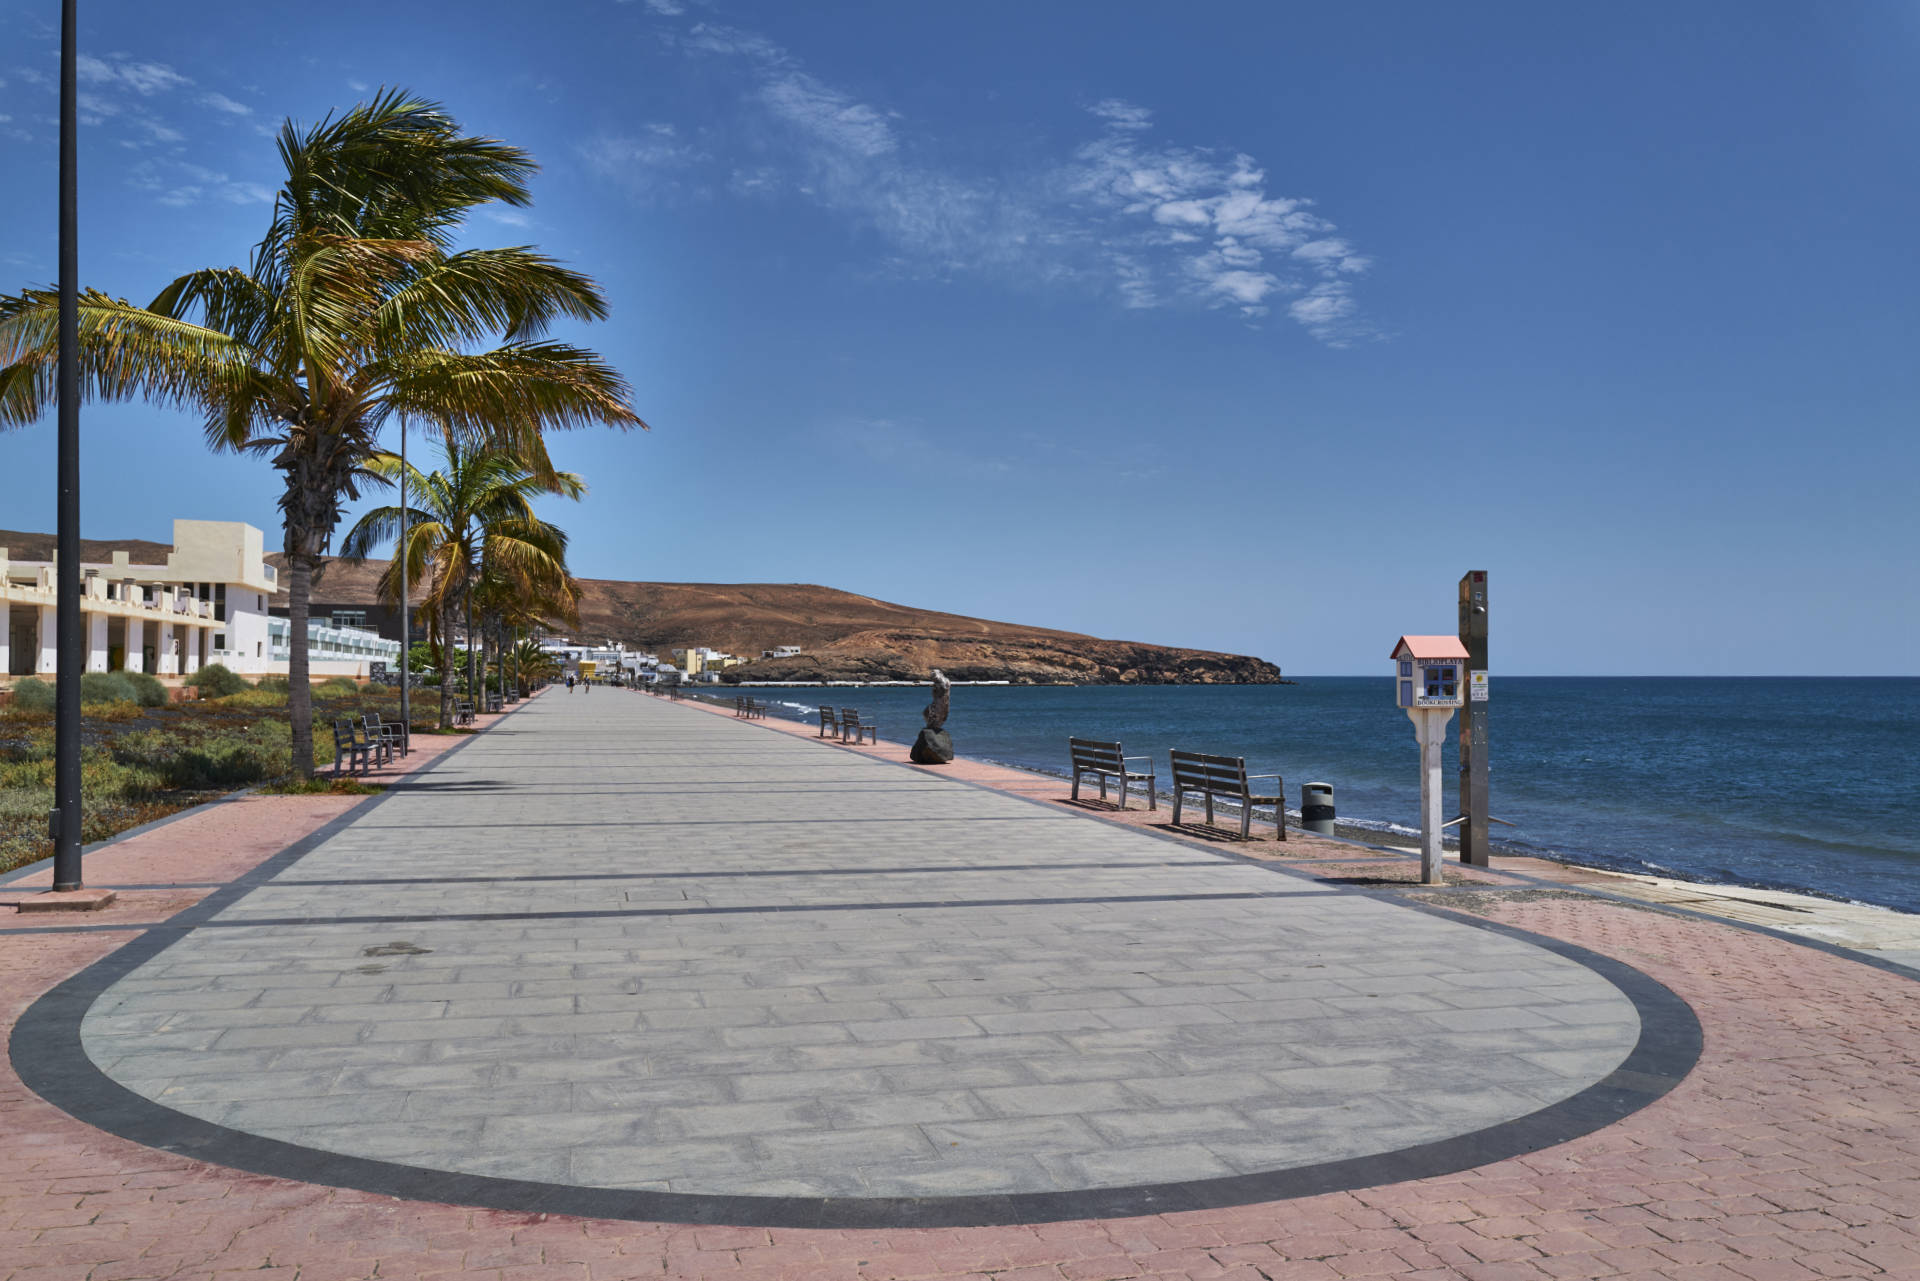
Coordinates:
[849,637]
[844,636]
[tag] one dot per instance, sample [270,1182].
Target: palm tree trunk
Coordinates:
[299,688]
[446,663]
[472,689]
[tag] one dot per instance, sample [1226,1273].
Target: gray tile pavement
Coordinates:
[792,969]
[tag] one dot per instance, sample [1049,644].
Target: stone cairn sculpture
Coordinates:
[934,746]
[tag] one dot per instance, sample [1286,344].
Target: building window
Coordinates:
[219,640]
[1441,682]
[220,602]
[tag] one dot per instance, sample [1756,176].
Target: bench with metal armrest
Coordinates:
[1105,761]
[1226,778]
[852,727]
[348,748]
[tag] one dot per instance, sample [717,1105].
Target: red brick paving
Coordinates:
[1792,1152]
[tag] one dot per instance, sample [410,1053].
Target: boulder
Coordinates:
[932,747]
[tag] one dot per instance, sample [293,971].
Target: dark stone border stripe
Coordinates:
[47,1053]
[746,909]
[730,874]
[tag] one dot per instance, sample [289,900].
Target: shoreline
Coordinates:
[1767,905]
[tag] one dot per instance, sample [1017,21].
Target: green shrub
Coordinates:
[33,695]
[147,690]
[255,698]
[273,684]
[335,686]
[215,680]
[106,687]
[226,761]
[373,687]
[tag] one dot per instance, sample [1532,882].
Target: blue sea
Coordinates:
[1808,784]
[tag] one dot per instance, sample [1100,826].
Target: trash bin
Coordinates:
[1316,808]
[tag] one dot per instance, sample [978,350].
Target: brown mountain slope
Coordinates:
[25,546]
[849,637]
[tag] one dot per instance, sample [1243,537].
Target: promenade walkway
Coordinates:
[632,961]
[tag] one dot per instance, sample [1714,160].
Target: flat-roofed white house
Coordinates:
[208,603]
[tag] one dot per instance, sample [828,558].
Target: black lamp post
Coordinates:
[70,647]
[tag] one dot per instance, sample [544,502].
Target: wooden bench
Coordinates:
[348,748]
[851,726]
[750,709]
[463,713]
[1104,761]
[392,734]
[829,723]
[1226,777]
[379,750]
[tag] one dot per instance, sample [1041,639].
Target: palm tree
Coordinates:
[531,663]
[478,513]
[508,598]
[352,310]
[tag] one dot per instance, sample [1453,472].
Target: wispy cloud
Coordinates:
[220,102]
[179,184]
[909,446]
[1188,222]
[1150,224]
[144,78]
[149,108]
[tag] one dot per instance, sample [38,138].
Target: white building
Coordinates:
[207,603]
[608,659]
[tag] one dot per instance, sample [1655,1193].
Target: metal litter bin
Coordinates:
[1316,808]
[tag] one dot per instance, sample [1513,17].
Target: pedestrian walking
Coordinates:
[569,682]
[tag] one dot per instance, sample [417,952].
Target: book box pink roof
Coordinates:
[1430,649]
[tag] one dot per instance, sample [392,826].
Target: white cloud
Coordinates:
[180,184]
[666,8]
[1150,223]
[510,217]
[220,102]
[1123,115]
[1210,229]
[144,78]
[829,116]
[639,157]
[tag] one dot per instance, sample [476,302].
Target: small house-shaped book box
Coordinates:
[1430,671]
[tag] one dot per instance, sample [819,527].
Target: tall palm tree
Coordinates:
[353,309]
[508,598]
[475,514]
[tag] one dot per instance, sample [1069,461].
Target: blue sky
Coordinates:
[1242,326]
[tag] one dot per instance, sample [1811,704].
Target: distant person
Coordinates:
[569,682]
[586,684]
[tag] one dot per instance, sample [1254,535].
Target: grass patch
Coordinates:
[139,763]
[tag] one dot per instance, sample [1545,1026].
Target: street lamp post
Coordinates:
[70,654]
[406,612]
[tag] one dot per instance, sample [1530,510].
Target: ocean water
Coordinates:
[1808,783]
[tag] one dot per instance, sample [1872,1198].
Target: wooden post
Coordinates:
[1473,721]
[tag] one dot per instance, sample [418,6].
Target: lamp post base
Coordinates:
[67,901]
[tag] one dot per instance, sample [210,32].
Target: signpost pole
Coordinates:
[1430,731]
[1473,720]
